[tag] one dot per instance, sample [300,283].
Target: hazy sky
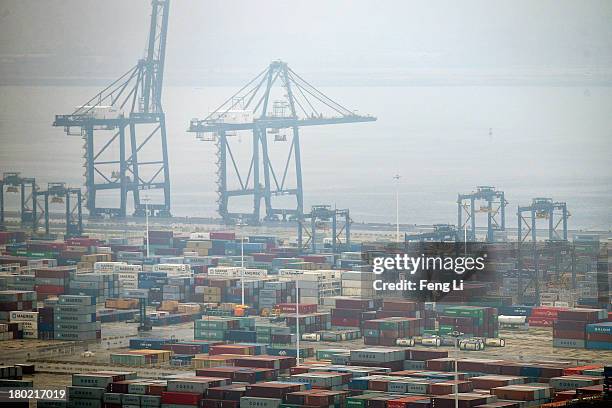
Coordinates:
[221,41]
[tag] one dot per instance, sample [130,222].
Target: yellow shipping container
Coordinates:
[123,304]
[93,258]
[189,308]
[203,361]
[211,290]
[84,266]
[199,244]
[169,305]
[162,355]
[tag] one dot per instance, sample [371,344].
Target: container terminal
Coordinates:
[276,307]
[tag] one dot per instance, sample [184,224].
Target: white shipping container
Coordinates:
[127,276]
[30,334]
[106,266]
[184,385]
[172,268]
[125,268]
[20,316]
[356,284]
[358,276]
[360,292]
[237,272]
[259,402]
[195,236]
[28,325]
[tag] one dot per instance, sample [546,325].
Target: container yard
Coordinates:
[127,292]
[159,330]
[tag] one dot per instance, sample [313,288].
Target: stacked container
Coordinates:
[309,323]
[53,281]
[99,285]
[570,327]
[470,320]
[385,332]
[599,336]
[29,323]
[544,316]
[275,292]
[15,300]
[75,318]
[217,328]
[45,323]
[358,284]
[352,312]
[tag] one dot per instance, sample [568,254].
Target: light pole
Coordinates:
[465,239]
[397,235]
[456,334]
[239,224]
[297,321]
[146,201]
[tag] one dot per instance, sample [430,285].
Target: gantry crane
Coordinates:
[128,112]
[320,216]
[494,206]
[26,187]
[555,214]
[275,104]
[59,193]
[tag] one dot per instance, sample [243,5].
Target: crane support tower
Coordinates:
[440,233]
[321,216]
[58,193]
[26,188]
[555,214]
[273,105]
[124,133]
[493,204]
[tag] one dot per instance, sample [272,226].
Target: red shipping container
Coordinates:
[400,305]
[50,289]
[546,311]
[182,398]
[569,334]
[599,337]
[314,258]
[219,403]
[348,313]
[182,348]
[222,235]
[580,369]
[56,272]
[541,321]
[404,401]
[583,315]
[262,257]
[564,395]
[361,304]
[303,307]
[10,306]
[448,387]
